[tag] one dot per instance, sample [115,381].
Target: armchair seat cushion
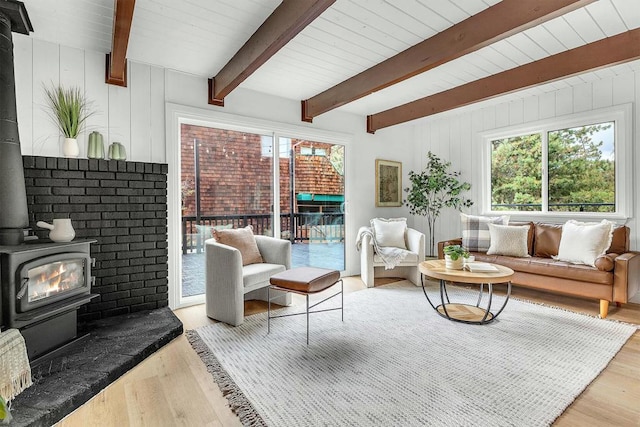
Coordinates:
[410,259]
[254,275]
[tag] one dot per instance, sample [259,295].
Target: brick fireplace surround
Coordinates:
[123,206]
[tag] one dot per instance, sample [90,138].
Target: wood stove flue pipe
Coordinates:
[14,217]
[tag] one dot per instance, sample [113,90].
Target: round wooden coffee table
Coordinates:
[466,313]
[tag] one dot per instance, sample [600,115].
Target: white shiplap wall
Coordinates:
[133,115]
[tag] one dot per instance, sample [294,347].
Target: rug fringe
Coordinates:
[236,399]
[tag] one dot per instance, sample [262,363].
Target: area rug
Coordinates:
[394,361]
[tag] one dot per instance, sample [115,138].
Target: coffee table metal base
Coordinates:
[467,313]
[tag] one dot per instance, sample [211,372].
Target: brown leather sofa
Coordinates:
[616,277]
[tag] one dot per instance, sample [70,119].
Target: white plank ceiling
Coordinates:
[200,36]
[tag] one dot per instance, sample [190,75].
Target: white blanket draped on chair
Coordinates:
[376,261]
[391,257]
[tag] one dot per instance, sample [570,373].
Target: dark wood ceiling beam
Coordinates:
[607,52]
[116,70]
[286,21]
[489,26]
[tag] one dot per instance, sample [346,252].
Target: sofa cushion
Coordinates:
[475,231]
[619,240]
[390,232]
[582,243]
[550,267]
[509,240]
[243,240]
[547,240]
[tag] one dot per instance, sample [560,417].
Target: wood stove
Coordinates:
[43,284]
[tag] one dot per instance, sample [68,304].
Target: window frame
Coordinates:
[622,117]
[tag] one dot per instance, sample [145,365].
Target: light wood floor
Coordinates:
[173,388]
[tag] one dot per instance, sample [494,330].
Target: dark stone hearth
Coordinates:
[114,346]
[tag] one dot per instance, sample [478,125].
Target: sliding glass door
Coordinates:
[226,182]
[235,176]
[312,201]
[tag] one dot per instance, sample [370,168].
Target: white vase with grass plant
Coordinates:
[69,111]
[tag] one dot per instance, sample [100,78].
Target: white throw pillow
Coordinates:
[475,231]
[509,240]
[582,243]
[390,232]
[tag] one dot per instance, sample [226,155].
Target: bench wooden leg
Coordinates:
[604,308]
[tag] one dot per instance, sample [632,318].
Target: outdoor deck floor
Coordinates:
[324,255]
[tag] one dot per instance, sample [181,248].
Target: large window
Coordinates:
[569,166]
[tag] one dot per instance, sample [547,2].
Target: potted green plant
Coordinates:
[432,190]
[69,111]
[454,256]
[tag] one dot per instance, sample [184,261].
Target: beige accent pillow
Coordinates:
[243,240]
[390,232]
[583,243]
[509,240]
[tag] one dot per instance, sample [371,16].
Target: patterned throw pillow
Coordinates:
[243,240]
[475,231]
[509,240]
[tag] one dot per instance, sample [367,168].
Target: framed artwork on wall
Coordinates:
[388,183]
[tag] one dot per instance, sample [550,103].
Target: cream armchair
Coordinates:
[229,284]
[371,265]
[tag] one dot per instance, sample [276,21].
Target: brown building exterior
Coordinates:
[235,175]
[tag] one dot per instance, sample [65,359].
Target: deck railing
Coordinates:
[298,228]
